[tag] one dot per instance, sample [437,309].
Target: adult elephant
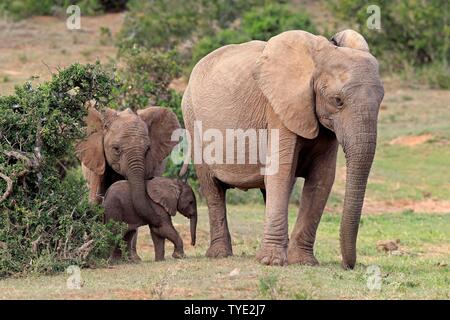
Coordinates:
[126,145]
[317,93]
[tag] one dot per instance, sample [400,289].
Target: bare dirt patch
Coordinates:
[411,141]
[436,251]
[39,45]
[422,206]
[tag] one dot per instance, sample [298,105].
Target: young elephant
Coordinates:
[170,196]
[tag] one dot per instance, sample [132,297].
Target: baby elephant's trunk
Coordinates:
[193,225]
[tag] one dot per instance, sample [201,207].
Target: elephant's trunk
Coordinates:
[193,228]
[141,202]
[359,144]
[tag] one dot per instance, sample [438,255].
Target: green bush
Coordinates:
[211,43]
[260,23]
[46,222]
[159,23]
[19,9]
[412,32]
[268,21]
[145,78]
[176,24]
[435,75]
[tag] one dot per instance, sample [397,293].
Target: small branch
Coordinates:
[20,156]
[62,165]
[37,153]
[9,187]
[48,67]
[67,241]
[35,243]
[30,164]
[85,249]
[38,144]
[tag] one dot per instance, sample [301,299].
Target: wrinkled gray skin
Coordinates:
[168,197]
[318,94]
[126,145]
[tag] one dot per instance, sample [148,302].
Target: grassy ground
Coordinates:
[408,198]
[418,272]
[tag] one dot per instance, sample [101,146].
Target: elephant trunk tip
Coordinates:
[193,229]
[347,265]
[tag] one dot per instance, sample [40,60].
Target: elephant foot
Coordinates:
[219,250]
[178,255]
[116,256]
[272,255]
[134,258]
[299,256]
[159,259]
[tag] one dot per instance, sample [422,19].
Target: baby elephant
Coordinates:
[169,196]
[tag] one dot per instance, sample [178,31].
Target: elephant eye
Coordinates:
[339,102]
[116,150]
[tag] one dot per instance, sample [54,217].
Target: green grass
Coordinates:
[411,173]
[420,273]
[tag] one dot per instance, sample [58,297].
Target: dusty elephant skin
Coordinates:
[319,94]
[168,196]
[126,145]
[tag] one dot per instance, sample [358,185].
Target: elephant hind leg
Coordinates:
[215,192]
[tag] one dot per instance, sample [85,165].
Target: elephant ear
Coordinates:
[284,73]
[164,192]
[161,123]
[351,39]
[90,150]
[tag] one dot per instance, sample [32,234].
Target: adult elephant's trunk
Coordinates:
[359,144]
[141,202]
[193,228]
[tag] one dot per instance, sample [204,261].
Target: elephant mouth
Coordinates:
[326,121]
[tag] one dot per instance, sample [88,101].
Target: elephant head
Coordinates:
[175,195]
[312,82]
[133,145]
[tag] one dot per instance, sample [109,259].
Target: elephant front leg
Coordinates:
[168,231]
[158,243]
[278,189]
[316,190]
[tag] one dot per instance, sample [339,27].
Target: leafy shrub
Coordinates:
[268,21]
[46,222]
[434,75]
[176,24]
[145,79]
[113,5]
[159,23]
[412,32]
[260,23]
[20,9]
[211,43]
